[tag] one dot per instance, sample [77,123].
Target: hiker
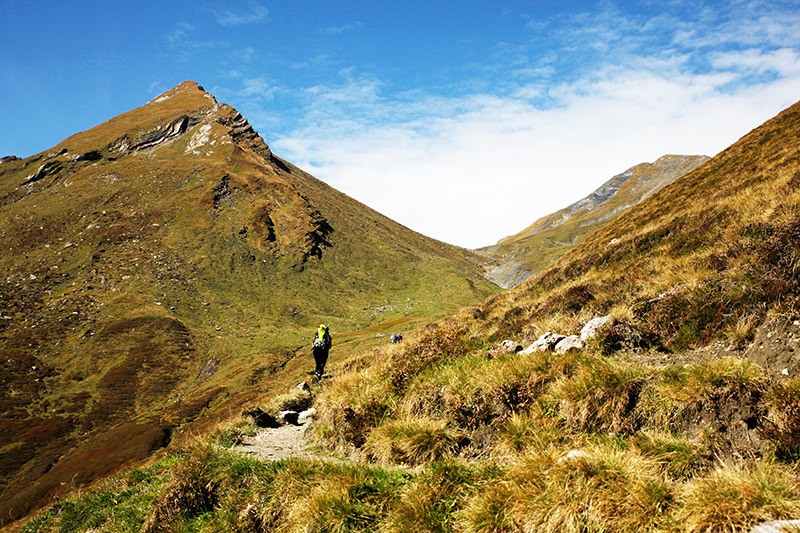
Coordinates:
[322,343]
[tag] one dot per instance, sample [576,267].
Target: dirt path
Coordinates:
[286,441]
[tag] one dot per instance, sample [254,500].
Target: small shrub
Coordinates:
[569,301]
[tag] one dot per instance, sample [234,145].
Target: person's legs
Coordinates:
[320,358]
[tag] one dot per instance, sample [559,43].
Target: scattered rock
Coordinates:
[509,346]
[592,327]
[545,343]
[289,417]
[262,418]
[307,415]
[573,455]
[569,344]
[303,386]
[209,369]
[777,526]
[93,155]
[776,347]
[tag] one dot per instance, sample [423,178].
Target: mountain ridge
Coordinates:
[541,243]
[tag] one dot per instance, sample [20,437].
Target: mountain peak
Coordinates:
[187,88]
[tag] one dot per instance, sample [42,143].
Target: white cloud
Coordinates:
[472,168]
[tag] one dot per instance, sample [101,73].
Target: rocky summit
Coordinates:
[163,266]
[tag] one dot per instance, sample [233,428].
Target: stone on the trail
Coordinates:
[306,415]
[777,526]
[509,346]
[303,386]
[289,417]
[592,327]
[544,343]
[569,344]
[573,455]
[262,418]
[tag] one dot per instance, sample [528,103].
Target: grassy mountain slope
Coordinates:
[164,263]
[663,422]
[539,245]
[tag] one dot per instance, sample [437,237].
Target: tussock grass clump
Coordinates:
[294,400]
[681,389]
[735,497]
[438,343]
[432,500]
[474,391]
[232,434]
[317,496]
[600,488]
[684,383]
[199,485]
[413,441]
[783,407]
[601,395]
[528,433]
[118,504]
[680,458]
[356,402]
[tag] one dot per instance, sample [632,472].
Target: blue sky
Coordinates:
[464,120]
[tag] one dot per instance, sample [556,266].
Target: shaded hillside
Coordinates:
[542,243]
[166,261]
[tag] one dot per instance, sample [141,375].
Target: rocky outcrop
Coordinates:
[509,346]
[317,238]
[162,134]
[50,168]
[509,275]
[243,133]
[545,343]
[591,329]
[570,343]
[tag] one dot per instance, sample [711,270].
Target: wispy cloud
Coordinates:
[344,28]
[253,13]
[182,36]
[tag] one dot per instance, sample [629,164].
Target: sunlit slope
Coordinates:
[539,245]
[164,260]
[706,257]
